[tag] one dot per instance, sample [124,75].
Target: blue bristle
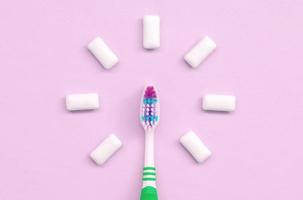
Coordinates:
[149,116]
[149,101]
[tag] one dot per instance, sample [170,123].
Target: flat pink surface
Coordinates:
[257,150]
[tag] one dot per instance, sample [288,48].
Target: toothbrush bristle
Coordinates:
[149,116]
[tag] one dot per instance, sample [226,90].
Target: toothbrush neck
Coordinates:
[149,147]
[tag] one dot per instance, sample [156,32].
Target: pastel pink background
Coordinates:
[257,150]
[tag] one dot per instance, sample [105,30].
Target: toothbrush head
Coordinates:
[150,108]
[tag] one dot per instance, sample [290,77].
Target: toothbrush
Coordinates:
[149,117]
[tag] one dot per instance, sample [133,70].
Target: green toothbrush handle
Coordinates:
[149,191]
